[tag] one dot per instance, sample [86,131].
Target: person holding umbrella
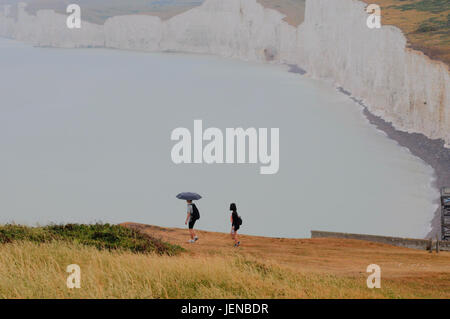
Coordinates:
[192,213]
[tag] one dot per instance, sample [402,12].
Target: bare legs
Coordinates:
[234,236]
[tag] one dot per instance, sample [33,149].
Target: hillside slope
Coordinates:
[405,272]
[33,264]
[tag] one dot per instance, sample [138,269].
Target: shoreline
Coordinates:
[432,152]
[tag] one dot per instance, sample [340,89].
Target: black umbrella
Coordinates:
[189,196]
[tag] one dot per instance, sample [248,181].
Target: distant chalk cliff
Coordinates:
[333,43]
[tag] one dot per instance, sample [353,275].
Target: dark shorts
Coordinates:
[235,227]
[191,224]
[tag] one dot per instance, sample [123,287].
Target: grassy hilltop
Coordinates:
[425,23]
[114,264]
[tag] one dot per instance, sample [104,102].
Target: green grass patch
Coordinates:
[101,236]
[433,6]
[435,25]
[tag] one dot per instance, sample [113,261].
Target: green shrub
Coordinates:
[101,236]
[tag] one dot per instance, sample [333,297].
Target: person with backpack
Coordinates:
[192,216]
[236,222]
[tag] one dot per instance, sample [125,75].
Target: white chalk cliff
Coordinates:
[334,43]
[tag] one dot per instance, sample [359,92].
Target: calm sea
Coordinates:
[85,137]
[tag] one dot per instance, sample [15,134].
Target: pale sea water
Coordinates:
[85,137]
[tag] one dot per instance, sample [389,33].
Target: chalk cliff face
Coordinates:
[333,43]
[403,86]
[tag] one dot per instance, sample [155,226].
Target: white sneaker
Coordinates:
[191,241]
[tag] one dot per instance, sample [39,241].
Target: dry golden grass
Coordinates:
[212,268]
[30,270]
[406,273]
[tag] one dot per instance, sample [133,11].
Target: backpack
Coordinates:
[195,212]
[239,220]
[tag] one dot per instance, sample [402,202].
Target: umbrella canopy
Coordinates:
[189,196]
